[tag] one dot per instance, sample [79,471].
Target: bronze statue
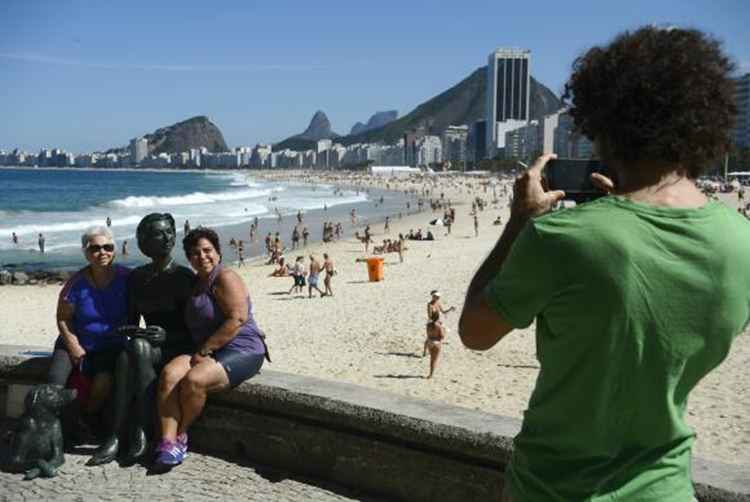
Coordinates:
[37,445]
[157,292]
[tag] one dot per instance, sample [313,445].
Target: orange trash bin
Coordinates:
[375,269]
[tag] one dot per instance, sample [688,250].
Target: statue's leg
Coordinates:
[144,359]
[121,398]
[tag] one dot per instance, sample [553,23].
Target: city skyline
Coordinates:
[102,75]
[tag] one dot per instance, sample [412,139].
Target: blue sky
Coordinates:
[91,75]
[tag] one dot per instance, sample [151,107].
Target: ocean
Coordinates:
[62,203]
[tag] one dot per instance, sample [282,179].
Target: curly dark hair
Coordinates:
[658,94]
[192,238]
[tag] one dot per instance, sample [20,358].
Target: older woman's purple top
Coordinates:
[203,316]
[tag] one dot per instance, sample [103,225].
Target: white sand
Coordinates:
[372,333]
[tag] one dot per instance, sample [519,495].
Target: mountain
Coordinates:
[195,132]
[463,103]
[379,119]
[319,128]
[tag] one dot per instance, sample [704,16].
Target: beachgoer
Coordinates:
[282,270]
[435,330]
[313,277]
[305,236]
[109,221]
[230,346]
[330,269]
[241,253]
[124,247]
[637,295]
[387,226]
[476,225]
[186,227]
[298,274]
[41,242]
[14,238]
[91,306]
[299,216]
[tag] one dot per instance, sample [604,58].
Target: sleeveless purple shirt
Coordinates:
[203,317]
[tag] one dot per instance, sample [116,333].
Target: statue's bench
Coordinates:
[379,442]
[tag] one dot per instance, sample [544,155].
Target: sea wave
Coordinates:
[66,226]
[141,201]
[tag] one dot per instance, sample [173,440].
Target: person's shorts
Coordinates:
[299,280]
[239,365]
[101,361]
[313,280]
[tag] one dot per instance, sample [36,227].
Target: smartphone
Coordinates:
[573,176]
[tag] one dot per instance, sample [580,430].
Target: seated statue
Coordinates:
[37,445]
[157,293]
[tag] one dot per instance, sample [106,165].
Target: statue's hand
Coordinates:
[128,330]
[156,335]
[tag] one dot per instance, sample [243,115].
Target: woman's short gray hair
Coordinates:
[96,231]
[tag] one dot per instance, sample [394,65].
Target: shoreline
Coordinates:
[372,333]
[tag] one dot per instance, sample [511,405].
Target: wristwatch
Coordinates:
[206,352]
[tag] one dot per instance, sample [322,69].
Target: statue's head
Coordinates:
[156,235]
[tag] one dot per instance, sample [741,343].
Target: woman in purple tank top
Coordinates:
[230,347]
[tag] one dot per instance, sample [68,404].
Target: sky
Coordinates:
[88,76]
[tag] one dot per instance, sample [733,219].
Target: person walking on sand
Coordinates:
[435,330]
[298,274]
[476,225]
[305,236]
[314,277]
[186,227]
[387,226]
[41,243]
[125,247]
[330,272]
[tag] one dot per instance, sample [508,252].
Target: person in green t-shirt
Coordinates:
[637,295]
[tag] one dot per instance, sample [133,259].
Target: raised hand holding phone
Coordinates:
[529,195]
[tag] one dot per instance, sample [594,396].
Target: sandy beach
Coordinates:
[371,333]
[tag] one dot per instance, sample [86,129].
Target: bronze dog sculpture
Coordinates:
[37,445]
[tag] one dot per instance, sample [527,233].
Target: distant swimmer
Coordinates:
[41,243]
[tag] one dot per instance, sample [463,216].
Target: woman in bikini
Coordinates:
[435,329]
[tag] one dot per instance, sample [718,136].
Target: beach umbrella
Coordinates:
[437,221]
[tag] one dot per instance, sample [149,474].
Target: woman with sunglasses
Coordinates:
[91,306]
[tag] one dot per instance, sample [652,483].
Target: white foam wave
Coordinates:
[136,201]
[67,226]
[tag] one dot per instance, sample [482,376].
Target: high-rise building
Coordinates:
[478,141]
[742,96]
[508,88]
[138,150]
[454,144]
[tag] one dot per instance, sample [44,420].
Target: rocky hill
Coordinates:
[461,104]
[379,119]
[195,132]
[319,128]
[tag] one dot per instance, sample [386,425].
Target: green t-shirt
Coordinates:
[634,304]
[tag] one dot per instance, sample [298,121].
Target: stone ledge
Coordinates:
[363,437]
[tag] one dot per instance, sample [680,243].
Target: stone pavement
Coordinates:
[201,477]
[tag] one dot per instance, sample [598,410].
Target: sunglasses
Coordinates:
[96,248]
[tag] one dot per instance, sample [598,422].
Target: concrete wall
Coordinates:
[382,443]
